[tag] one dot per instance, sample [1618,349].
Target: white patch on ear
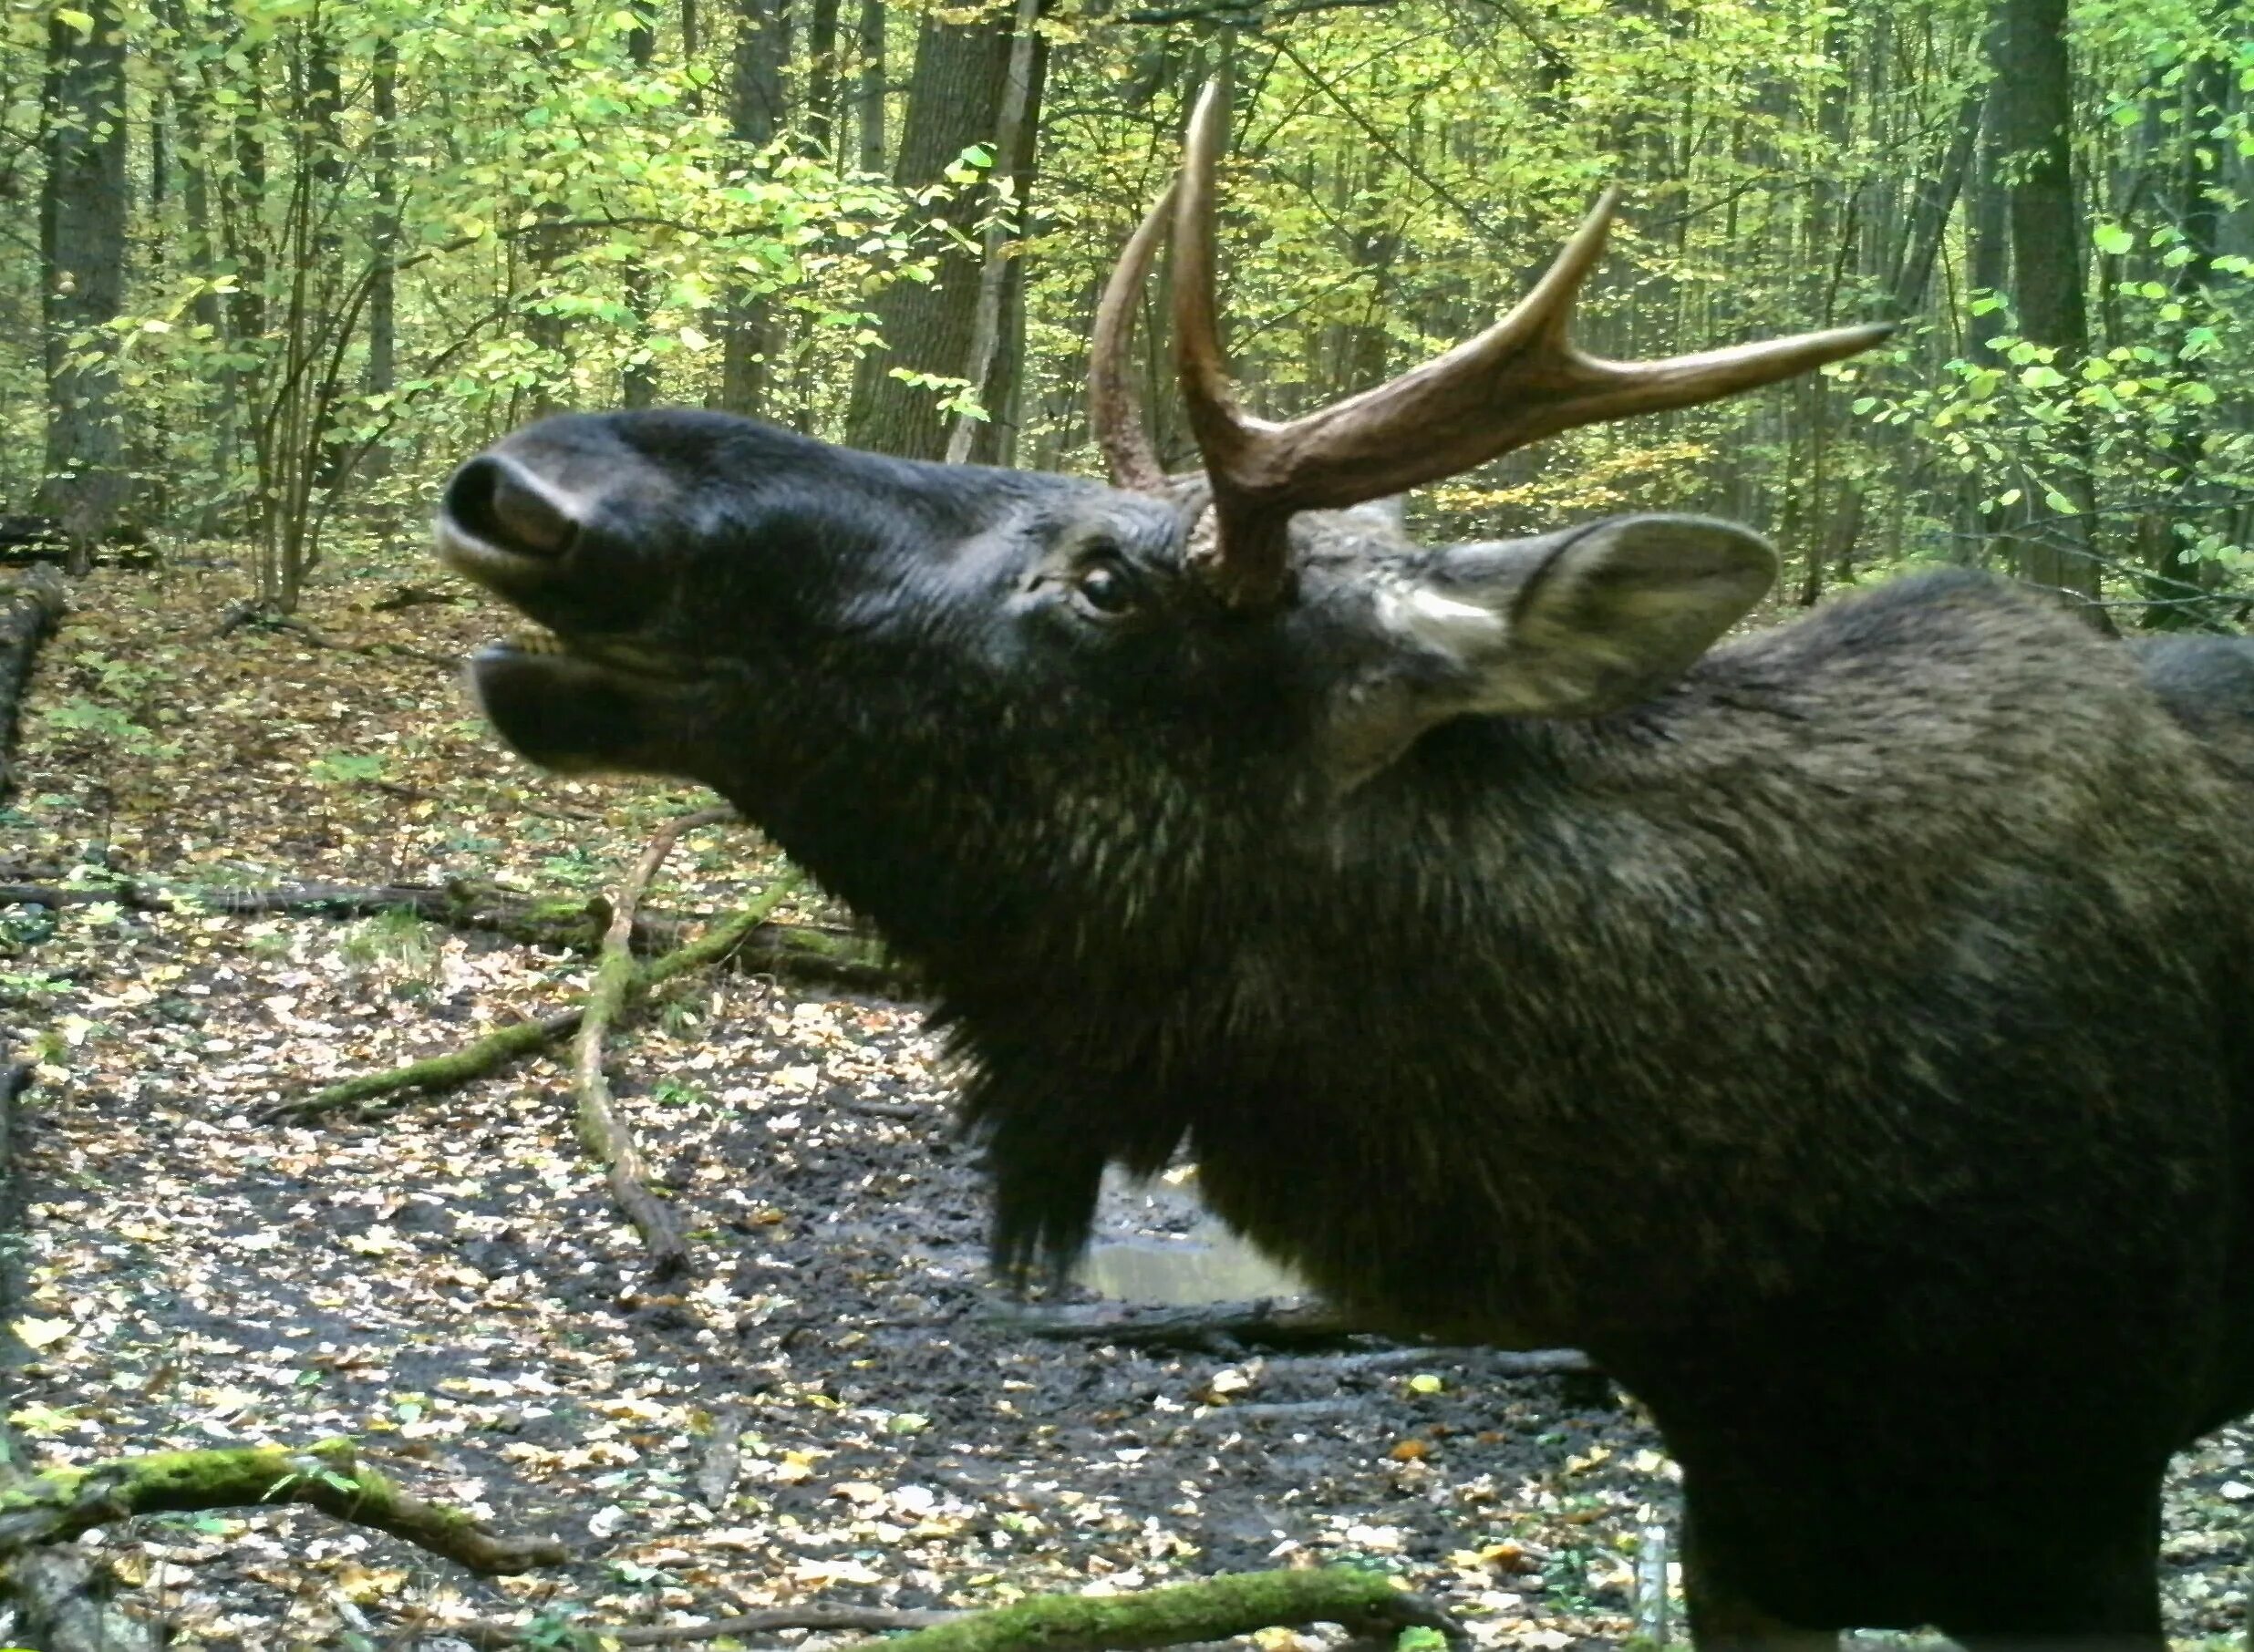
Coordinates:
[1459,629]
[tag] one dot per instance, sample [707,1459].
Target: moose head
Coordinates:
[1250,615]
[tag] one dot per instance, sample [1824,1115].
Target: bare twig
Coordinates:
[606,1136]
[723,1457]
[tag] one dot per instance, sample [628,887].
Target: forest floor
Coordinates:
[449,1282]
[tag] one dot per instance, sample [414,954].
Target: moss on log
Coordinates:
[57,1505]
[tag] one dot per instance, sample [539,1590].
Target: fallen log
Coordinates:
[796,952]
[30,608]
[1362,1603]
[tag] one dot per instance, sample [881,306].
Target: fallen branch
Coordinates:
[801,952]
[497,1049]
[57,1505]
[606,1136]
[1289,1323]
[1295,1326]
[433,1074]
[1362,1603]
[876,1620]
[30,609]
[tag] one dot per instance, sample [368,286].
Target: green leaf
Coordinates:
[2111,237]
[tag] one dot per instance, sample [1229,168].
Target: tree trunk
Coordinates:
[755,115]
[2051,548]
[954,100]
[82,219]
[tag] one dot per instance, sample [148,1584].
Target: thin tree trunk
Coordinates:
[1936,202]
[82,222]
[638,381]
[2197,189]
[822,77]
[869,96]
[755,115]
[987,318]
[383,236]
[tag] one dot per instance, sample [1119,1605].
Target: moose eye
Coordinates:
[1105,587]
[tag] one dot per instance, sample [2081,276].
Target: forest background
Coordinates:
[274,265]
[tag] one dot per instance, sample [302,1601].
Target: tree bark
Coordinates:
[954,100]
[82,222]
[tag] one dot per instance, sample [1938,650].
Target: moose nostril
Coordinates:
[504,506]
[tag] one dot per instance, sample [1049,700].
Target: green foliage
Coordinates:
[347,768]
[397,944]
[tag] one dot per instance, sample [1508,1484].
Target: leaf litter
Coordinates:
[827,1412]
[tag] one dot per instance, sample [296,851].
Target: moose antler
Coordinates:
[1520,380]
[1113,415]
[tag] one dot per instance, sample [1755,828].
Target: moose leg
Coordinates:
[1723,1617]
[2078,1574]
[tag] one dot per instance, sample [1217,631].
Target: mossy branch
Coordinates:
[504,1045]
[61,1503]
[1362,1603]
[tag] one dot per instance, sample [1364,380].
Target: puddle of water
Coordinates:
[1190,1259]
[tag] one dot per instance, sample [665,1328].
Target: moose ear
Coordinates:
[1570,624]
[1619,611]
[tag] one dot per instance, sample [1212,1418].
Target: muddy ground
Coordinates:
[449,1282]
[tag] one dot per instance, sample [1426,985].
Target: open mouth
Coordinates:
[531,646]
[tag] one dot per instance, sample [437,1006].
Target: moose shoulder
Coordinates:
[1843,1032]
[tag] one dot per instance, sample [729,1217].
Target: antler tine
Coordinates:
[1520,380]
[1114,411]
[1248,558]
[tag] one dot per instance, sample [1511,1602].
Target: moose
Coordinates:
[1845,1032]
